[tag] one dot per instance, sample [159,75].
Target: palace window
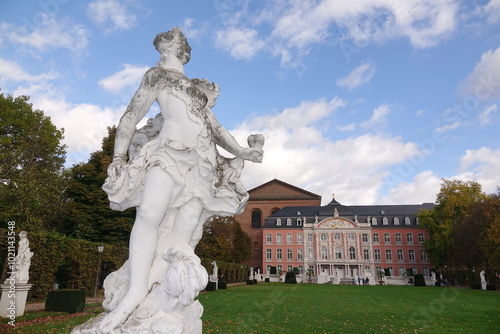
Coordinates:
[301,269]
[310,253]
[421,238]
[289,222]
[374,221]
[337,237]
[279,254]
[289,238]
[376,254]
[375,238]
[278,238]
[388,255]
[269,255]
[351,237]
[323,237]
[387,238]
[309,237]
[402,271]
[364,237]
[396,221]
[299,237]
[338,252]
[256,219]
[409,238]
[414,269]
[391,270]
[289,254]
[399,239]
[289,267]
[425,271]
[278,222]
[352,253]
[324,253]
[279,268]
[299,254]
[411,255]
[385,221]
[407,220]
[269,237]
[423,255]
[366,254]
[400,255]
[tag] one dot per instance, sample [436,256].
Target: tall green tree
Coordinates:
[224,240]
[454,202]
[31,162]
[90,217]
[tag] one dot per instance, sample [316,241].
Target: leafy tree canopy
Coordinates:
[31,161]
[454,202]
[224,240]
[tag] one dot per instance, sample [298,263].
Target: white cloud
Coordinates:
[482,166]
[379,116]
[298,151]
[112,15]
[423,188]
[448,127]
[359,76]
[242,43]
[50,33]
[129,76]
[484,80]
[484,116]
[492,11]
[84,124]
[11,71]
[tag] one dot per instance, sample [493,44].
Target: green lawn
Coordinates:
[310,308]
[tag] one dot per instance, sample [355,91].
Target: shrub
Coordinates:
[419,280]
[210,286]
[250,282]
[71,301]
[222,285]
[290,277]
[273,270]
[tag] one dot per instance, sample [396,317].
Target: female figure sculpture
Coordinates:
[176,181]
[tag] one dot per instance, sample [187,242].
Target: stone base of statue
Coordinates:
[13,301]
[168,308]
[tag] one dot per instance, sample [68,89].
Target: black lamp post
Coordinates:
[100,249]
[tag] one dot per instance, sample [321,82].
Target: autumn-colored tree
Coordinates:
[224,240]
[31,161]
[454,202]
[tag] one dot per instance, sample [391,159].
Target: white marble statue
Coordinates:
[215,272]
[176,180]
[23,259]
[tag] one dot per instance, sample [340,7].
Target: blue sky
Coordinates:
[375,101]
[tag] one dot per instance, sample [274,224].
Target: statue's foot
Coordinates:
[120,314]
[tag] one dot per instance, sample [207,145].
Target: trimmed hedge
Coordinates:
[70,262]
[231,272]
[71,301]
[290,278]
[419,280]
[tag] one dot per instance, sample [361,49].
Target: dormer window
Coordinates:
[396,221]
[374,221]
[298,213]
[299,222]
[289,222]
[385,221]
[407,220]
[278,222]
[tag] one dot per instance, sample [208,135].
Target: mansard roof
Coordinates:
[363,213]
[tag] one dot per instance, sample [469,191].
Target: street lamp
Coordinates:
[100,249]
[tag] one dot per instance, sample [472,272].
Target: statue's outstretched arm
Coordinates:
[225,140]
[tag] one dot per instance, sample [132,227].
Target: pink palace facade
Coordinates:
[340,243]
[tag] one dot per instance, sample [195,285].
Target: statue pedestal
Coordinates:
[13,299]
